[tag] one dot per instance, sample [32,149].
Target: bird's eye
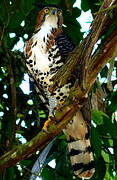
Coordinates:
[59,12]
[46,10]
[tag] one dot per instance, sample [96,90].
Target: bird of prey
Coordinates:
[45,53]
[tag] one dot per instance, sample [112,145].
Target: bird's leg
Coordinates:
[60,104]
[51,118]
[45,127]
[47,122]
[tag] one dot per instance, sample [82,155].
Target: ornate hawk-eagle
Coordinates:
[45,53]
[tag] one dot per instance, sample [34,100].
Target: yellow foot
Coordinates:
[59,105]
[45,127]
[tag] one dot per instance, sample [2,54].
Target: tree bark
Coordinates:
[91,64]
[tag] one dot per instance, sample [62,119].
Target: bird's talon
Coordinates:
[61,103]
[59,106]
[46,124]
[44,130]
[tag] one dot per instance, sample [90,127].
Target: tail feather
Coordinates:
[79,147]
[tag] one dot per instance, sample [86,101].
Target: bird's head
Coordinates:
[51,16]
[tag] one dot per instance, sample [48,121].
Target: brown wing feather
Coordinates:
[38,87]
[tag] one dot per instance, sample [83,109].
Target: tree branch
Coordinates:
[90,66]
[22,151]
[106,52]
[13,107]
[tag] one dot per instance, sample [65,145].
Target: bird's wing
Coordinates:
[65,45]
[38,87]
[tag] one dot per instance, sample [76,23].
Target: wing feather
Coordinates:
[38,87]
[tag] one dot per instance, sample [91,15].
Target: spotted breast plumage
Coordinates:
[46,52]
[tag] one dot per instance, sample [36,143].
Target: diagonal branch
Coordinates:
[39,141]
[92,66]
[106,52]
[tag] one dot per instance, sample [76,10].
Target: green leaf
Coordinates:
[104,72]
[71,2]
[42,114]
[1,107]
[19,132]
[113,100]
[15,20]
[100,168]
[115,177]
[48,2]
[97,116]
[84,5]
[48,173]
[27,6]
[19,115]
[26,162]
[96,142]
[110,128]
[76,12]
[106,156]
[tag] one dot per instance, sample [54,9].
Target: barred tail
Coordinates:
[79,147]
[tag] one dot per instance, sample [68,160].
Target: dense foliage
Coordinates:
[22,114]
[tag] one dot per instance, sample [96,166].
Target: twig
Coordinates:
[13,95]
[106,9]
[109,75]
[8,19]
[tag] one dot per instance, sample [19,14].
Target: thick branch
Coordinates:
[22,151]
[106,52]
[93,65]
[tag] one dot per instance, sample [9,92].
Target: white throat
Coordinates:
[46,28]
